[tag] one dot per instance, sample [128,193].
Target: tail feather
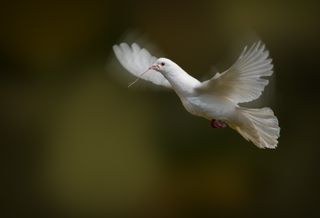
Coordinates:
[260,126]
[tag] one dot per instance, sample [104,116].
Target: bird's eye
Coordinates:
[162,63]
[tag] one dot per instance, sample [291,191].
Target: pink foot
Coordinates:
[218,124]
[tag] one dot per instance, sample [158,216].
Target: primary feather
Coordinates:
[137,60]
[243,81]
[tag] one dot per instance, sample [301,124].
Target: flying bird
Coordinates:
[218,98]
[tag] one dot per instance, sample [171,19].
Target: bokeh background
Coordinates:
[77,142]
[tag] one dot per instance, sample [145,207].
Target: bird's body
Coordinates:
[194,100]
[217,98]
[209,107]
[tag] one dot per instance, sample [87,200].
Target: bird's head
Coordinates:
[163,65]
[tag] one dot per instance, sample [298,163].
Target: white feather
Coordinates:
[137,60]
[257,125]
[242,82]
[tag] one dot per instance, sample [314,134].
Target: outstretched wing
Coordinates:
[243,81]
[137,60]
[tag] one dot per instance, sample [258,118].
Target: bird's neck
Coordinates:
[181,82]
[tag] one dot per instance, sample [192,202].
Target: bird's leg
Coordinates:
[218,124]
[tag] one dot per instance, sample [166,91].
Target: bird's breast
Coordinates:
[208,108]
[194,106]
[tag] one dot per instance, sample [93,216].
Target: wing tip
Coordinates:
[115,47]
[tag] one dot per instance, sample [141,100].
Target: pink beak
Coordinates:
[154,67]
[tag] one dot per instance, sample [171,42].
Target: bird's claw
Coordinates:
[218,124]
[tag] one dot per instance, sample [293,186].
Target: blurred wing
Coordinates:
[137,60]
[242,82]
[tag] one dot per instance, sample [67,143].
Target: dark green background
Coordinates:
[76,141]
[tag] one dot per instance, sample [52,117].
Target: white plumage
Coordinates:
[137,61]
[242,82]
[217,98]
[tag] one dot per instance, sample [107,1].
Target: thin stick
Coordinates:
[137,79]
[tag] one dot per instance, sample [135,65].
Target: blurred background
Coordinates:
[77,142]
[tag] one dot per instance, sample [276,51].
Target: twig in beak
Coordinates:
[138,77]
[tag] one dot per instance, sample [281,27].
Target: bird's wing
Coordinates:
[242,82]
[137,60]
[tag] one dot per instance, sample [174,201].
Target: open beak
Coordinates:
[155,67]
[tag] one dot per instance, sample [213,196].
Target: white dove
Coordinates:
[216,99]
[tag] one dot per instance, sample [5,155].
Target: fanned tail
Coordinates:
[259,126]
